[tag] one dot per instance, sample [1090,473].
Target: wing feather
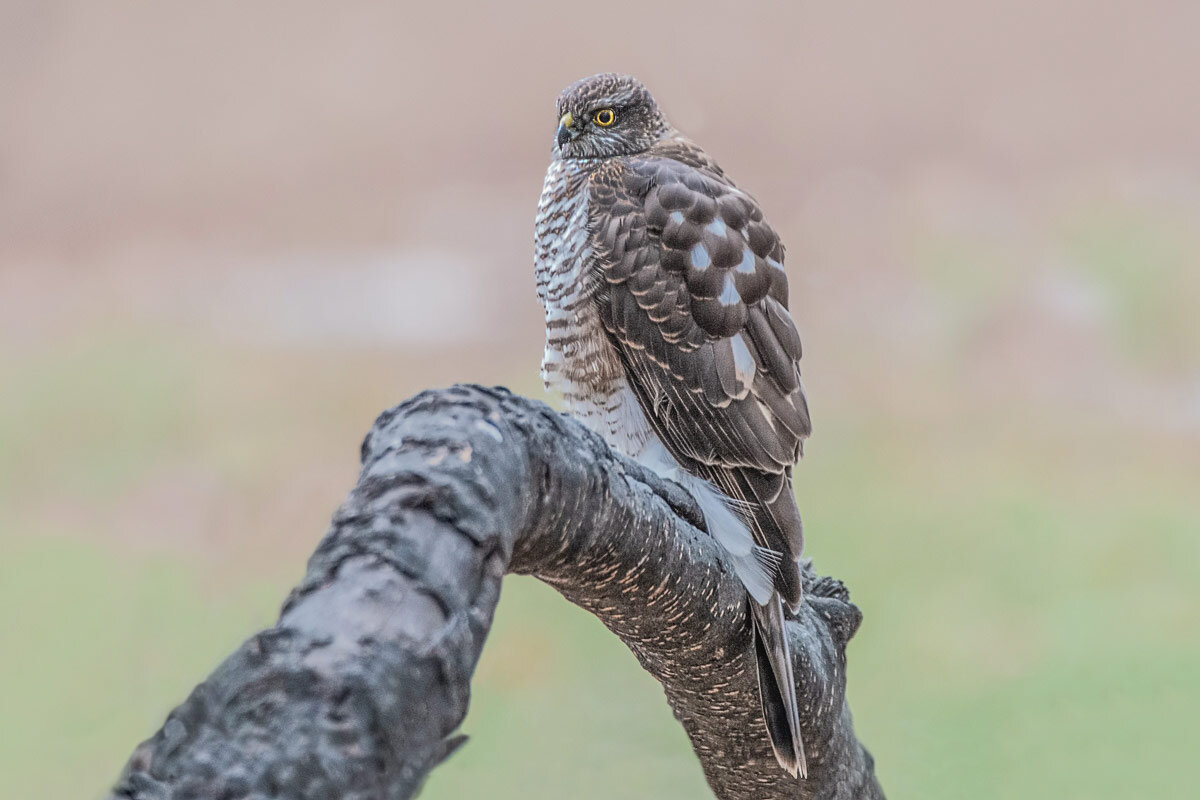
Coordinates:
[695,299]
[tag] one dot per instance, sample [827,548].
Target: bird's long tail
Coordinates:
[777,685]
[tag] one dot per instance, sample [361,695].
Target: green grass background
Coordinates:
[1027,565]
[1031,600]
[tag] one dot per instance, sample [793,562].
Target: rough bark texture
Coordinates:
[358,689]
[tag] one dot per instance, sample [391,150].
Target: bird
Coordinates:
[668,333]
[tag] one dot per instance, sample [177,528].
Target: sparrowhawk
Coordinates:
[667,332]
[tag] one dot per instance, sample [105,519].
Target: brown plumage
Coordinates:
[668,330]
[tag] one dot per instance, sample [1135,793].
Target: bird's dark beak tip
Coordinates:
[563,136]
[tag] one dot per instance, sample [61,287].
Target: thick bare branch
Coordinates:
[358,689]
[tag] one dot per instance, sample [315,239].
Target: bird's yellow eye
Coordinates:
[604,117]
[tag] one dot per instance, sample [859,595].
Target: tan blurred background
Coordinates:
[231,233]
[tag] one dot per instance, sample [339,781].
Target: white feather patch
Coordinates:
[753,567]
[743,363]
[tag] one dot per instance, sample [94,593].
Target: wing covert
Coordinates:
[695,297]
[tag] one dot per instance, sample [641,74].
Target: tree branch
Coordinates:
[357,690]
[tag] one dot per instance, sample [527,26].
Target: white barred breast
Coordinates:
[580,362]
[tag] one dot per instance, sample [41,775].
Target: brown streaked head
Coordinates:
[607,115]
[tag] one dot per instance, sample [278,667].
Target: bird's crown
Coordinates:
[604,89]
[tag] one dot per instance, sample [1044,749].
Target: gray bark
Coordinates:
[356,692]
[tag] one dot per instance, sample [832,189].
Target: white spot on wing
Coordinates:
[700,259]
[729,293]
[747,265]
[743,363]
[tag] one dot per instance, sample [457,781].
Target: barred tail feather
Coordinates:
[777,686]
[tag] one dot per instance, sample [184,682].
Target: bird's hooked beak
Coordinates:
[566,131]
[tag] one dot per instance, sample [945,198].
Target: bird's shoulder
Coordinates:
[687,153]
[671,214]
[672,159]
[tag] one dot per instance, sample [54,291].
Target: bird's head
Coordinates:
[607,115]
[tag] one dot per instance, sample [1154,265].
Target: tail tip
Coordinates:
[794,763]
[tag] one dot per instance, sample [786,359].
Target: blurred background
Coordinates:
[232,233]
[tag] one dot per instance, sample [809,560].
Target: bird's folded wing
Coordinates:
[695,298]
